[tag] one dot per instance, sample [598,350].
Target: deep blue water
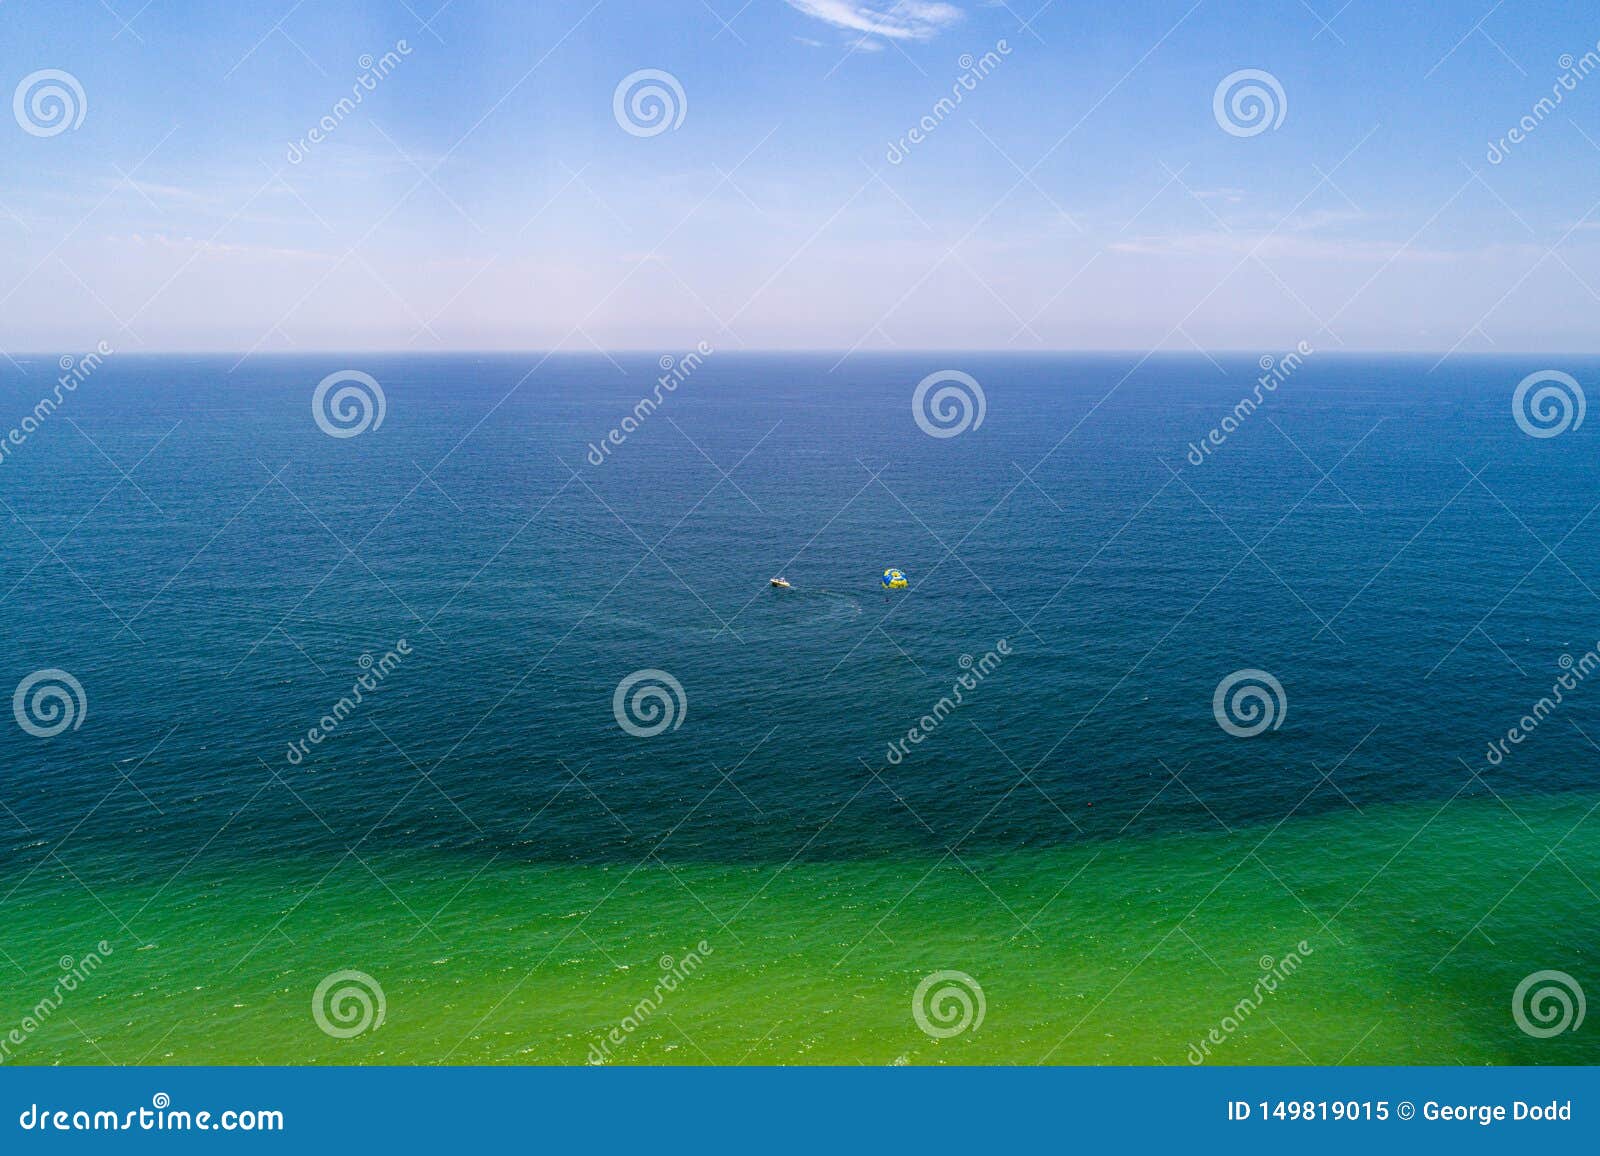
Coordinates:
[215,604]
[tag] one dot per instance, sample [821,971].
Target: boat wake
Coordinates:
[841,606]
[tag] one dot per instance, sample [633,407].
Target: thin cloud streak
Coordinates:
[905,20]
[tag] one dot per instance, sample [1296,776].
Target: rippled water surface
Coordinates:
[1080,834]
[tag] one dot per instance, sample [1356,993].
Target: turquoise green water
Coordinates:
[1124,952]
[508,862]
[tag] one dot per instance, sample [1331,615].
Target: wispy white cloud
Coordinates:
[891,19]
[1290,245]
[1231,196]
[152,190]
[199,247]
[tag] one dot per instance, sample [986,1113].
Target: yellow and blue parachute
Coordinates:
[894,580]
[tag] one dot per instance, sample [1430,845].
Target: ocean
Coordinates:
[1187,740]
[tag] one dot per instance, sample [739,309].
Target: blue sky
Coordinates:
[1083,194]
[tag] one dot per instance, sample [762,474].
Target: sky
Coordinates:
[807,179]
